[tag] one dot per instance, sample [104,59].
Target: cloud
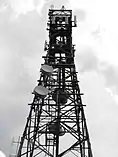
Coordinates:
[39,5]
[22,6]
[26,29]
[2,154]
[81,15]
[88,61]
[21,45]
[101,113]
[111,73]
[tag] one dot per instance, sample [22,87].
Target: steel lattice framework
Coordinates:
[56,124]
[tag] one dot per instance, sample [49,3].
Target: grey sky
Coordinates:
[22,38]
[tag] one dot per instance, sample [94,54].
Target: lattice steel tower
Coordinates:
[56,124]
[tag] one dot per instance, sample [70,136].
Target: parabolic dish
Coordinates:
[53,129]
[59,96]
[41,91]
[47,69]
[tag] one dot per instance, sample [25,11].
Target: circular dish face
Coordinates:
[53,129]
[40,90]
[47,68]
[59,96]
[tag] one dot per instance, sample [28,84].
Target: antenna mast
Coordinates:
[56,124]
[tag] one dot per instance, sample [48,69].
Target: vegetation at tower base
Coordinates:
[56,112]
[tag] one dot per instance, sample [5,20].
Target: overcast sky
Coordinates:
[22,35]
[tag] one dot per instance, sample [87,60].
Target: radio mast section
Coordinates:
[56,124]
